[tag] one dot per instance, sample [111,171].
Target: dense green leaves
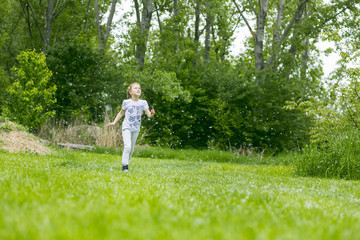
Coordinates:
[30,96]
[84,78]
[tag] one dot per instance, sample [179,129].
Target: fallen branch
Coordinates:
[70,146]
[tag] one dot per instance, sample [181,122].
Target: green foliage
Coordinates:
[334,135]
[337,158]
[221,102]
[85,79]
[4,83]
[9,126]
[336,111]
[167,86]
[30,95]
[228,110]
[6,127]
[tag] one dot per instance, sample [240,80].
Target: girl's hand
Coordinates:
[149,113]
[110,124]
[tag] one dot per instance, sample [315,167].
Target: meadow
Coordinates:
[84,195]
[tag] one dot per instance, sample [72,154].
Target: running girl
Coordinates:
[133,109]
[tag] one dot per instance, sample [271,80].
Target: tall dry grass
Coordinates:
[79,133]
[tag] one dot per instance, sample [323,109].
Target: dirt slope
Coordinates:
[20,141]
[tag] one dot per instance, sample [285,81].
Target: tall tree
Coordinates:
[103,35]
[290,26]
[143,25]
[52,9]
[281,28]
[208,26]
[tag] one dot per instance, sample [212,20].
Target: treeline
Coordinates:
[180,53]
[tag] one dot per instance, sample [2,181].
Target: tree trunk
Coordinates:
[144,25]
[277,28]
[293,22]
[259,35]
[176,25]
[305,59]
[27,15]
[49,21]
[103,37]
[28,4]
[137,11]
[197,21]
[208,31]
[97,19]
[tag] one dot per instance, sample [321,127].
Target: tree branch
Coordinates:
[247,23]
[36,21]
[27,16]
[294,20]
[109,21]
[158,17]
[137,11]
[276,35]
[356,92]
[287,5]
[252,7]
[61,9]
[11,52]
[97,18]
[271,4]
[56,4]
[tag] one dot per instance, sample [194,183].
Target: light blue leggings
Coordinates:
[129,139]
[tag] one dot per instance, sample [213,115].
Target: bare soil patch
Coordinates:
[16,141]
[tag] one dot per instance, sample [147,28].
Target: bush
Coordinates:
[30,96]
[86,80]
[338,157]
[4,83]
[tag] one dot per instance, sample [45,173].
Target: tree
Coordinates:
[84,77]
[30,95]
[143,23]
[104,35]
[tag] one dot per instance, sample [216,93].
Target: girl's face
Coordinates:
[135,90]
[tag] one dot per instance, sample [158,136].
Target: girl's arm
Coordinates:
[151,113]
[118,116]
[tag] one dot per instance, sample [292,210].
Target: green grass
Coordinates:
[78,195]
[203,155]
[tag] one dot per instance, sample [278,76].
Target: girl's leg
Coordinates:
[127,147]
[134,136]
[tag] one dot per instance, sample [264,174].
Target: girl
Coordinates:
[133,109]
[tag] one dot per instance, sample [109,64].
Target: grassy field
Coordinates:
[81,195]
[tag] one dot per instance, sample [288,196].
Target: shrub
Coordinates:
[334,136]
[338,157]
[30,95]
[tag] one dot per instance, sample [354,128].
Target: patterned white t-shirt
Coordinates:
[133,112]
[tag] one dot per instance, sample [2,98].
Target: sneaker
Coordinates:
[125,168]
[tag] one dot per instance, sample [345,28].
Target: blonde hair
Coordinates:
[129,88]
